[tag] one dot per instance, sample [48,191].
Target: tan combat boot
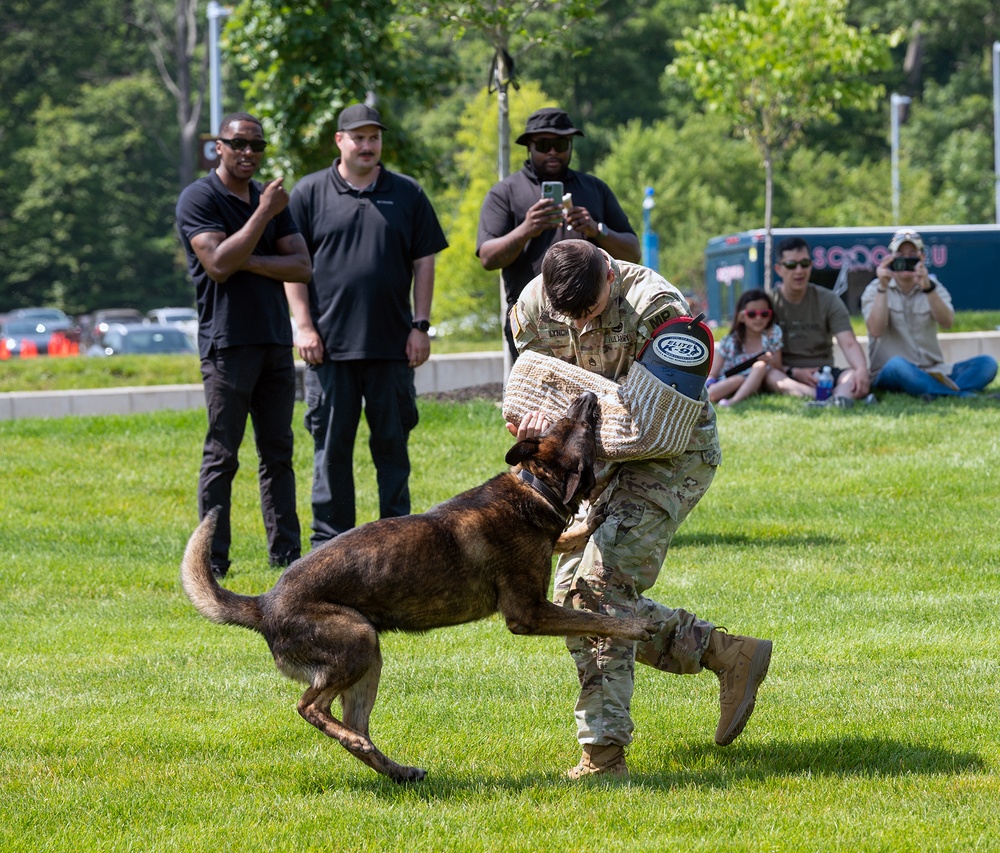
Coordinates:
[741,664]
[596,760]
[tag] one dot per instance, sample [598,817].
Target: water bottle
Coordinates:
[824,390]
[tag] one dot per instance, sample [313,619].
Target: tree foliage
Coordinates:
[776,66]
[99,237]
[96,119]
[302,63]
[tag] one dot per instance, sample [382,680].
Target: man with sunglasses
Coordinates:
[903,308]
[242,245]
[517,226]
[810,318]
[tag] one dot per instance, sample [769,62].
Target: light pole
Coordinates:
[996,126]
[896,101]
[215,12]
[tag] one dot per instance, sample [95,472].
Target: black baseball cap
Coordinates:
[359,115]
[548,120]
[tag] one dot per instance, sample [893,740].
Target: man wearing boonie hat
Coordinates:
[903,308]
[362,322]
[517,226]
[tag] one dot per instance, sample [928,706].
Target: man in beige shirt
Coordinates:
[903,308]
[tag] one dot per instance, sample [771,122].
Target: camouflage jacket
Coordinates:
[641,300]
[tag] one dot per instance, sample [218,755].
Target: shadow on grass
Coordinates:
[699,540]
[700,766]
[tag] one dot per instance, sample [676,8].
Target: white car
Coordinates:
[186,319]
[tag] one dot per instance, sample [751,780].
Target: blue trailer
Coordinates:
[966,259]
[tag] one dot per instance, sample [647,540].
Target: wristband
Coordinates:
[929,289]
[710,381]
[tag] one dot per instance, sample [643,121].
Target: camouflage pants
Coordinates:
[645,503]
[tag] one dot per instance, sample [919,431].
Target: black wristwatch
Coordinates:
[929,289]
[422,325]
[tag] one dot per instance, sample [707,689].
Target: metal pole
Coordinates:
[215,12]
[895,102]
[996,126]
[650,242]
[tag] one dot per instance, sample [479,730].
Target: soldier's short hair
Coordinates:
[573,273]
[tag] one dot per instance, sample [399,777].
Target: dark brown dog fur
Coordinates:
[486,550]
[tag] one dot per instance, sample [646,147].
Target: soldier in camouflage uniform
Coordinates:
[597,313]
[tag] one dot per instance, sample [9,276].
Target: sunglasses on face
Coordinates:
[753,315]
[790,265]
[238,144]
[544,146]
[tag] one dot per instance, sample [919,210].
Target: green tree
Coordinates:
[465,293]
[301,64]
[777,66]
[704,184]
[97,212]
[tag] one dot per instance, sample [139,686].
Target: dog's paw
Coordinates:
[403,775]
[646,629]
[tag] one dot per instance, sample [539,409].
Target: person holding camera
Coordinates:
[903,308]
[517,224]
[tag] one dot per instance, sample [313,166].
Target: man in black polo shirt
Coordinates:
[372,235]
[517,226]
[241,245]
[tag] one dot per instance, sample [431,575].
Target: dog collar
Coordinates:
[551,497]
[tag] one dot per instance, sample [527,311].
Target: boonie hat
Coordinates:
[359,115]
[906,235]
[548,120]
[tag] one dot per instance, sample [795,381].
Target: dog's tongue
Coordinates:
[680,354]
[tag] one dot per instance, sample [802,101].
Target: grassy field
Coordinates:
[863,542]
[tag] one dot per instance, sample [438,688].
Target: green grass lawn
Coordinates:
[863,542]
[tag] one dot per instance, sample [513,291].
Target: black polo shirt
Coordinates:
[248,308]
[507,204]
[363,244]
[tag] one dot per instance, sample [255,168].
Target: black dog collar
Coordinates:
[551,497]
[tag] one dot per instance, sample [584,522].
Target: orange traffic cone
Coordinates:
[29,349]
[4,352]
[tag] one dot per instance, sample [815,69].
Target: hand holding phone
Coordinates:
[552,191]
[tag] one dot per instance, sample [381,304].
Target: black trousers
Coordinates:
[334,393]
[258,381]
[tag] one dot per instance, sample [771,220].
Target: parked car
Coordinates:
[95,325]
[54,318]
[130,338]
[15,333]
[185,319]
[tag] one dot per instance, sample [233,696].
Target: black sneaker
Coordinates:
[282,562]
[219,572]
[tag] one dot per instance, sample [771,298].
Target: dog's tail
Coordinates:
[211,600]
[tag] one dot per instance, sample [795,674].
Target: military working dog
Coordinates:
[486,550]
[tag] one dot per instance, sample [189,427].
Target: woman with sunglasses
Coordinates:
[748,354]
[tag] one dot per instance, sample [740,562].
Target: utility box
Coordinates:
[965,258]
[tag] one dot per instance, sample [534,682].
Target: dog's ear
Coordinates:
[578,482]
[526,448]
